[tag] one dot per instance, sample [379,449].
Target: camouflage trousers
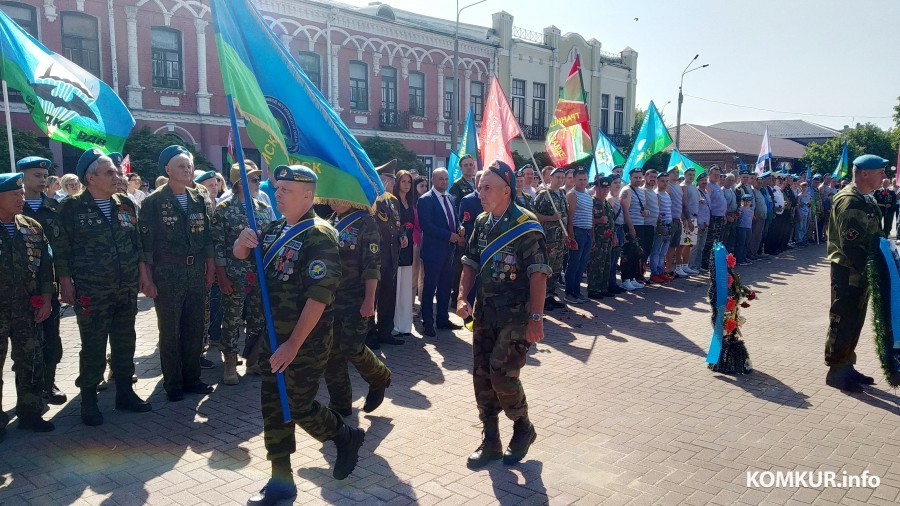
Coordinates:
[556,252]
[17,327]
[350,330]
[500,350]
[105,315]
[181,315]
[233,313]
[302,380]
[849,301]
[599,264]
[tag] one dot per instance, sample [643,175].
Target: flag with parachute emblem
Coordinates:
[652,138]
[66,102]
[569,136]
[683,163]
[606,157]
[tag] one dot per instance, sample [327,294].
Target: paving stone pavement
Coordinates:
[625,409]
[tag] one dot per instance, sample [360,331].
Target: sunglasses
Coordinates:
[254,179]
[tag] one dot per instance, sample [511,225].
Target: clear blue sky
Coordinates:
[825,57]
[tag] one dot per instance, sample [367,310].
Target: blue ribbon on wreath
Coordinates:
[721,298]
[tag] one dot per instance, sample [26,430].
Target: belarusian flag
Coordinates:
[569,136]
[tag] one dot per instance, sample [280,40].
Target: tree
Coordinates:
[897,114]
[25,143]
[144,147]
[864,139]
[381,151]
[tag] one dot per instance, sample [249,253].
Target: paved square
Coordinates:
[625,409]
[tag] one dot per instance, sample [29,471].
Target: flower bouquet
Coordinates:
[727,296]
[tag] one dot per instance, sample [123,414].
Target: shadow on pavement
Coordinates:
[768,388]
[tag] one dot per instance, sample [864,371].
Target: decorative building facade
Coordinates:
[387,72]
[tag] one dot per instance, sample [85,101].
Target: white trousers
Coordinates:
[403,315]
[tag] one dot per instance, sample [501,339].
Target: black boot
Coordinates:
[840,377]
[127,400]
[52,393]
[34,422]
[4,421]
[523,436]
[348,441]
[90,413]
[274,492]
[375,397]
[861,378]
[490,447]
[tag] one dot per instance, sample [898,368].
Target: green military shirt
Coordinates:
[601,208]
[459,189]
[46,215]
[854,229]
[544,203]
[504,282]
[306,267]
[360,247]
[167,229]
[27,268]
[387,212]
[228,220]
[96,251]
[524,201]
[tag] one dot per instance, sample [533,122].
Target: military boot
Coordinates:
[34,422]
[348,441]
[229,372]
[523,436]
[90,413]
[375,397]
[127,400]
[840,377]
[490,448]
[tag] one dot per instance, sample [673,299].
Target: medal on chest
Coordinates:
[195,221]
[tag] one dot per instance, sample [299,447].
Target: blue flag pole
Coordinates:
[257,255]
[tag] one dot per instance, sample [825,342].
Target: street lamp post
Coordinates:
[687,69]
[454,102]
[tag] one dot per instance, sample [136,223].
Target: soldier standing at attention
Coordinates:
[853,234]
[508,255]
[236,277]
[303,270]
[27,285]
[42,208]
[180,270]
[552,212]
[97,257]
[603,217]
[359,245]
[387,213]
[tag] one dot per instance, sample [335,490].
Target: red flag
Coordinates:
[569,136]
[498,127]
[126,164]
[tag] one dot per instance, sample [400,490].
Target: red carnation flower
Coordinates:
[467,217]
[607,234]
[730,280]
[730,305]
[752,296]
[84,300]
[408,225]
[730,261]
[36,302]
[86,312]
[250,278]
[730,326]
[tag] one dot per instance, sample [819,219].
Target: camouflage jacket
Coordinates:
[47,215]
[458,190]
[854,229]
[525,202]
[27,268]
[166,229]
[360,247]
[307,267]
[96,252]
[602,231]
[387,212]
[543,204]
[504,282]
[228,220]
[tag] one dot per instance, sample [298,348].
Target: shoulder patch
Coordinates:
[852,234]
[317,269]
[374,248]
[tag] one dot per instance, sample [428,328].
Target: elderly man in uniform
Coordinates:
[180,270]
[236,278]
[552,212]
[853,234]
[387,213]
[42,208]
[102,287]
[303,270]
[508,255]
[26,282]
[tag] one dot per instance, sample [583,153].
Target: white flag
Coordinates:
[765,153]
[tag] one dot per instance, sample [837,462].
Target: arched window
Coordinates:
[310,63]
[359,86]
[416,94]
[24,15]
[81,41]
[167,58]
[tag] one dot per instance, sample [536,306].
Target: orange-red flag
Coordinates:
[569,136]
[498,127]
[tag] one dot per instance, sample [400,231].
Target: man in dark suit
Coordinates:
[440,237]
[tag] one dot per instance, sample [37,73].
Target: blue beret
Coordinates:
[299,173]
[870,162]
[817,177]
[520,173]
[11,181]
[33,162]
[747,196]
[765,174]
[638,169]
[745,171]
[116,159]
[210,174]
[87,158]
[603,182]
[795,178]
[557,170]
[168,154]
[505,173]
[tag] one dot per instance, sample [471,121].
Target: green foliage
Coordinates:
[864,139]
[144,147]
[381,151]
[25,143]
[897,114]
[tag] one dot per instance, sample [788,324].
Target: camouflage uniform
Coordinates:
[459,189]
[525,202]
[553,231]
[229,219]
[47,216]
[308,267]
[387,212]
[501,312]
[101,256]
[853,234]
[27,272]
[360,261]
[599,262]
[176,244]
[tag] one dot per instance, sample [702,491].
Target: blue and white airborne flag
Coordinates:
[765,153]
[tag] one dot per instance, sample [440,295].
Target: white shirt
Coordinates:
[529,190]
[451,218]
[778,200]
